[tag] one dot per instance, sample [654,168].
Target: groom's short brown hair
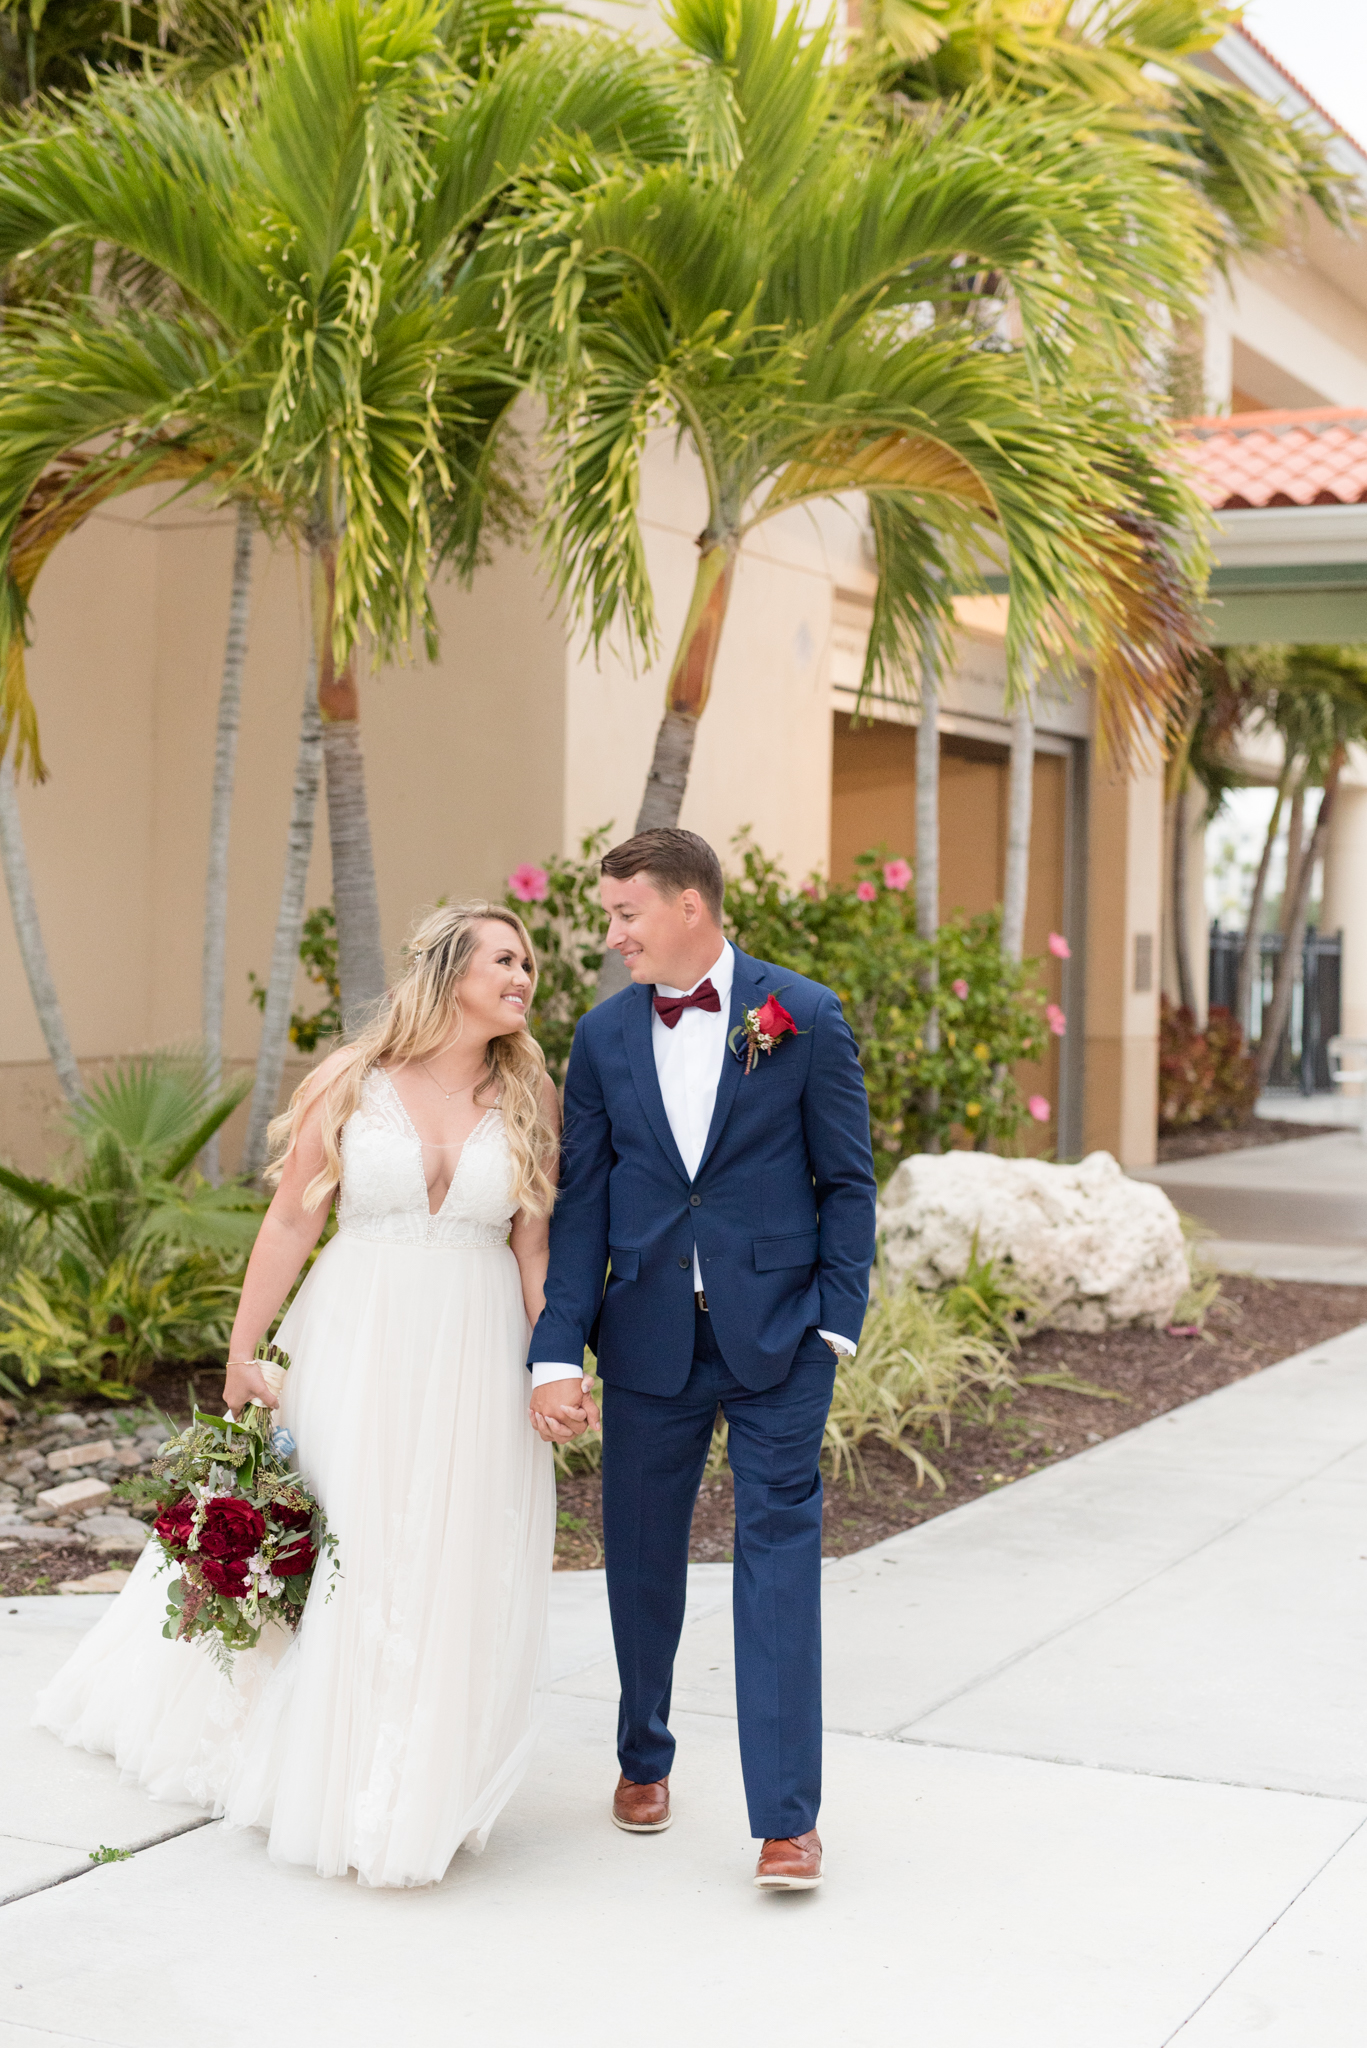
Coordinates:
[673,860]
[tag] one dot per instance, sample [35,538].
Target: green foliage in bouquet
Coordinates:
[132,1257]
[244,1530]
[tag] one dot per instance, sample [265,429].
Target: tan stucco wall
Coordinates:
[464,761]
[1124,875]
[763,753]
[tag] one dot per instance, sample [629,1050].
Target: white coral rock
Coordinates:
[1095,1247]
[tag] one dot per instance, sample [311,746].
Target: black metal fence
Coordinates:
[1302,1056]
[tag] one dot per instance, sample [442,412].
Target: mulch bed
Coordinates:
[1203,1139]
[41,1567]
[1254,1324]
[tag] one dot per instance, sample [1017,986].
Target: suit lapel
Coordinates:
[745,984]
[637,1019]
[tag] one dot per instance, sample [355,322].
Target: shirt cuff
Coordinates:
[840,1344]
[542,1374]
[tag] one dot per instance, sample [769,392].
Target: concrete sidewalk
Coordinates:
[1296,1211]
[1096,1778]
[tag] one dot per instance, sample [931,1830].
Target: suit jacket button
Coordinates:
[685,1263]
[695,1201]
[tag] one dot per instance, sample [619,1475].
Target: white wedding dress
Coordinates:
[393,1727]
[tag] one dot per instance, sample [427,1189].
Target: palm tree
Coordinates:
[1321,711]
[1246,162]
[275,1022]
[794,303]
[311,319]
[220,812]
[29,932]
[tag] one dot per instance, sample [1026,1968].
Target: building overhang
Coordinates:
[1289,572]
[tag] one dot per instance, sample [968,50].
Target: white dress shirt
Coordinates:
[688,1062]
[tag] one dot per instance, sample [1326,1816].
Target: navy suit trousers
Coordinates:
[654,1451]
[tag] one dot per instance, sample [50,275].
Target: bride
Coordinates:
[396,1723]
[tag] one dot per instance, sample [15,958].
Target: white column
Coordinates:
[1345,899]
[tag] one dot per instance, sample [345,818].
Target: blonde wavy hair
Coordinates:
[416,1021]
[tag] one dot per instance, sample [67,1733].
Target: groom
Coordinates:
[711,1242]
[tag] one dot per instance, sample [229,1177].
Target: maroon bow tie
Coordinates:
[669,1009]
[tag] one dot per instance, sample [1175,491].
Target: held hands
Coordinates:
[244,1382]
[562,1409]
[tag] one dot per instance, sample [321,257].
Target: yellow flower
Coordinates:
[949,1038]
[973,1109]
[980,1052]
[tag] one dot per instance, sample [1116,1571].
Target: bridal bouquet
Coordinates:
[245,1531]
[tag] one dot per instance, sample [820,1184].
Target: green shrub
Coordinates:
[135,1257]
[561,908]
[918,1368]
[318,958]
[1204,1076]
[859,940]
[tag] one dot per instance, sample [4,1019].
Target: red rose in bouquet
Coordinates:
[242,1530]
[225,1574]
[299,1555]
[233,1529]
[172,1526]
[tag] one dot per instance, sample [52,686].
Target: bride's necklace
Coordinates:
[447,1092]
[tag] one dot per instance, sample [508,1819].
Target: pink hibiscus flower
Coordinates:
[896,873]
[1055,1019]
[1039,1109]
[866,892]
[1059,946]
[529,884]
[960,989]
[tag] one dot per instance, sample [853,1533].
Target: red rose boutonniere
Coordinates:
[761,1030]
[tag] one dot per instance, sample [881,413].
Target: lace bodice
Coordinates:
[384,1189]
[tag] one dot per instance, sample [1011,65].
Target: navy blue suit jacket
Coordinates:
[781,1207]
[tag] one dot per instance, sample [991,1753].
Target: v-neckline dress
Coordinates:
[392,1728]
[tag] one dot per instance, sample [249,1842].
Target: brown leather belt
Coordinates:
[701,1299]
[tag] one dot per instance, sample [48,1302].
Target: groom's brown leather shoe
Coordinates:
[641,1809]
[792,1864]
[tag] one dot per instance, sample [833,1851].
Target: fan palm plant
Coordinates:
[139,1258]
[794,302]
[303,316]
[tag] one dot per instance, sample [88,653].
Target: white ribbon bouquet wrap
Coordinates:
[273,1366]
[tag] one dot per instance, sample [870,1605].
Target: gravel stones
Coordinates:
[77,1493]
[79,1454]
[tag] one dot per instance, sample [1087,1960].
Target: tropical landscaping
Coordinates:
[399,280]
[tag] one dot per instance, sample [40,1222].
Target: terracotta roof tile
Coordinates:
[1317,456]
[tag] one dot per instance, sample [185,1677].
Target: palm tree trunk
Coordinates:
[29,933]
[1249,958]
[1181,936]
[214,970]
[355,897]
[1020,801]
[1295,848]
[1274,1023]
[686,695]
[928,860]
[275,1023]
